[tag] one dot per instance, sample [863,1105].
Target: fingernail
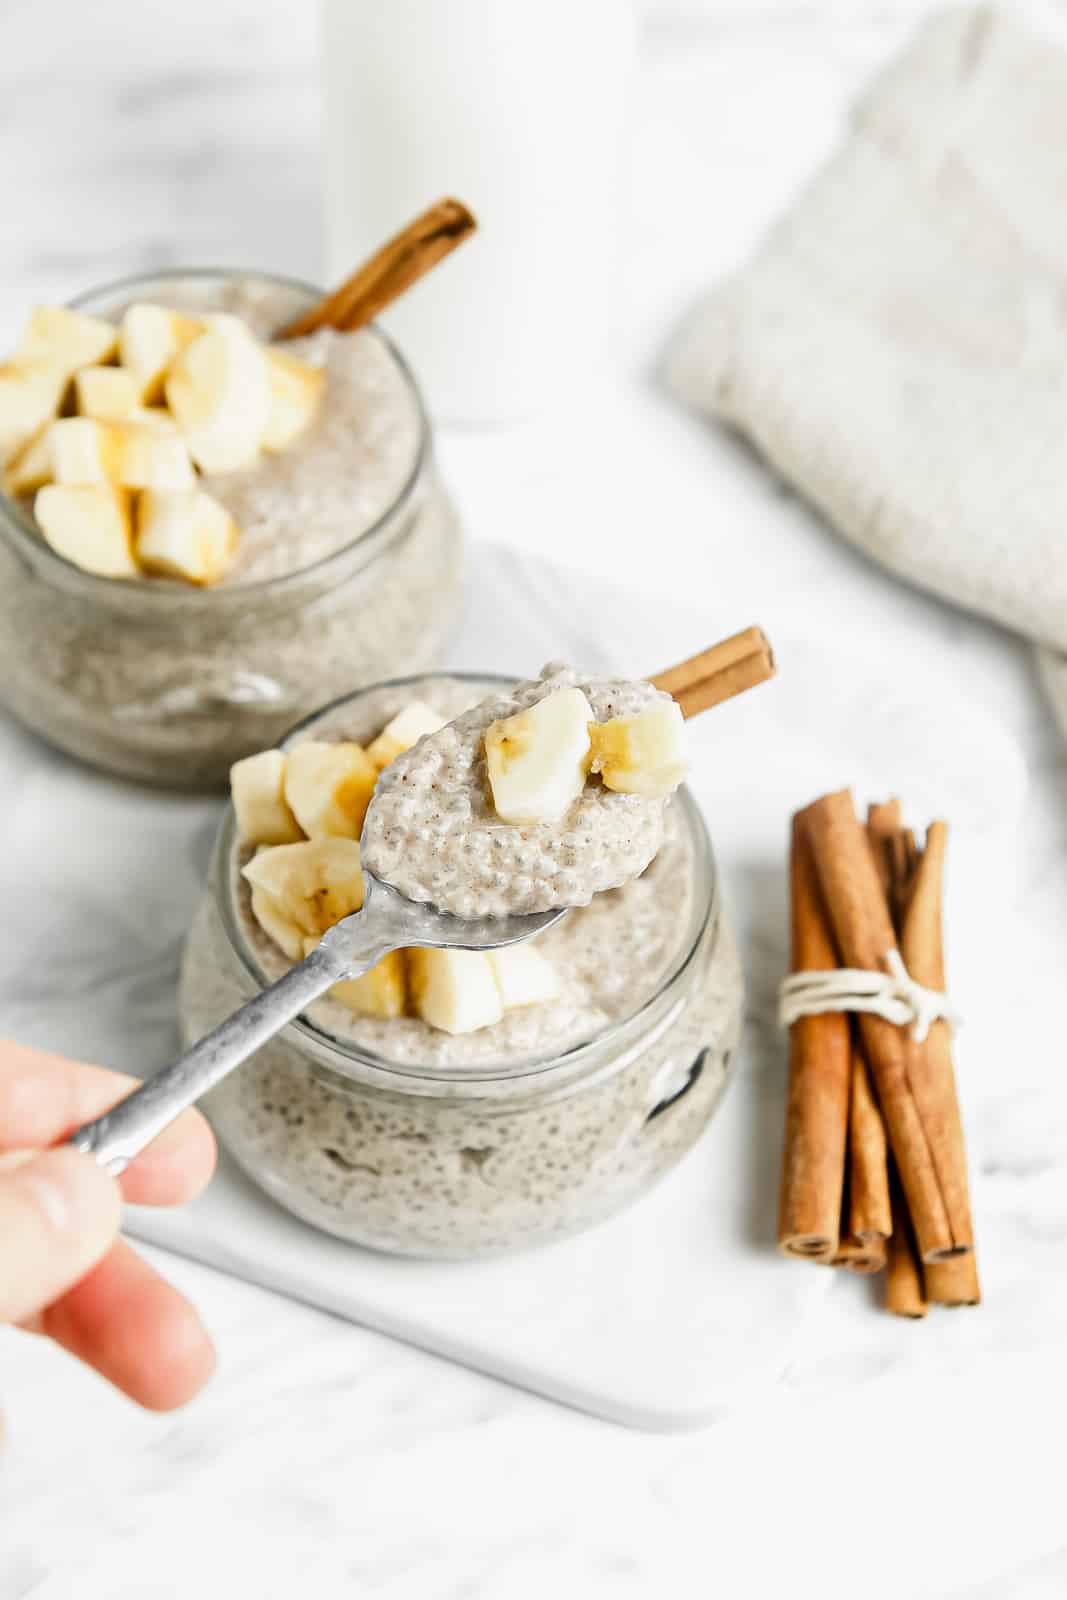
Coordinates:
[15,1158]
[50,1197]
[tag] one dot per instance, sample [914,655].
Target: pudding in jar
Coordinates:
[217,531]
[456,1104]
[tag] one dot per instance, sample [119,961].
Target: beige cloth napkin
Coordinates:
[898,347]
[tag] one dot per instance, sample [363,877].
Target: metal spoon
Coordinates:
[387,921]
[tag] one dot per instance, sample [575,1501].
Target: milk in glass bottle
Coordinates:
[519,108]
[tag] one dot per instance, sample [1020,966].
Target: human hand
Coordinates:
[64,1272]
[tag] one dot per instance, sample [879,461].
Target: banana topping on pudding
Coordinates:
[533,800]
[107,428]
[299,815]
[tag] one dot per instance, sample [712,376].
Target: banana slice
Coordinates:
[278,925]
[539,758]
[149,339]
[219,391]
[524,976]
[295,389]
[157,417]
[85,451]
[30,468]
[184,533]
[381,992]
[310,887]
[90,525]
[454,990]
[66,340]
[108,394]
[644,754]
[30,396]
[154,458]
[328,787]
[257,788]
[405,730]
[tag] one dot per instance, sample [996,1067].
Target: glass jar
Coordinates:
[470,1158]
[171,684]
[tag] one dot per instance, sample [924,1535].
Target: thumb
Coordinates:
[59,1212]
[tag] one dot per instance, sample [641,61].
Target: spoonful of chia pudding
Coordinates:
[531,800]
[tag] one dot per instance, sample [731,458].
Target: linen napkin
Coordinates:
[897,349]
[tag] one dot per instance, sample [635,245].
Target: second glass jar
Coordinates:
[169,684]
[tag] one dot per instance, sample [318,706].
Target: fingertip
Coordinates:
[137,1330]
[186,1359]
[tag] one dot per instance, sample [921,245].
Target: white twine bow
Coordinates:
[893,994]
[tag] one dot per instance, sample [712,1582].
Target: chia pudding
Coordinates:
[432,832]
[347,568]
[394,1134]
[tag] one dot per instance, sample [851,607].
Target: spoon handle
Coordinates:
[124,1131]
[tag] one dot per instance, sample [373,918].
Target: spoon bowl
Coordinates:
[393,916]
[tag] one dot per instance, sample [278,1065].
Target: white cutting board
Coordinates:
[668,1314]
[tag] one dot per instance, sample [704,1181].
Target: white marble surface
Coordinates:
[912,1460]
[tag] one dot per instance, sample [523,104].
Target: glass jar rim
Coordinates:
[353,1061]
[15,523]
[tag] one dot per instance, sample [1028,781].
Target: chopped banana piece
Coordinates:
[381,992]
[538,759]
[328,787]
[644,754]
[90,525]
[152,458]
[311,885]
[149,339]
[66,340]
[524,976]
[157,417]
[405,730]
[277,924]
[108,394]
[219,391]
[257,788]
[30,396]
[30,468]
[85,451]
[454,990]
[296,389]
[184,533]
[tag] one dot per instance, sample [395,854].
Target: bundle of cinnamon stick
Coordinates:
[874,1172]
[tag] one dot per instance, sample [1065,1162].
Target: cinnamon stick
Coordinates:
[400,262]
[869,1214]
[904,1292]
[868,1258]
[903,854]
[885,824]
[867,1219]
[813,1159]
[717,674]
[918,1116]
[953,1282]
[863,1256]
[933,1075]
